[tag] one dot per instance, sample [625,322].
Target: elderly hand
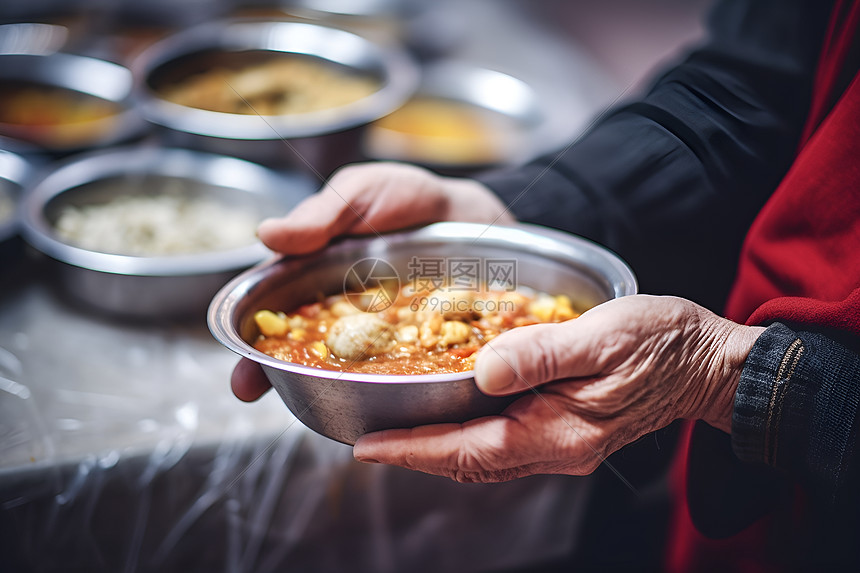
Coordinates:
[365,199]
[624,368]
[370,198]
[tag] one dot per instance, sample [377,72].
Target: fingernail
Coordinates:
[367,460]
[495,374]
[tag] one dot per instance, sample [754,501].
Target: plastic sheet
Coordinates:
[122,449]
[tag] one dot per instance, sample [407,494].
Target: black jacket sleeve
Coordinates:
[796,409]
[672,182]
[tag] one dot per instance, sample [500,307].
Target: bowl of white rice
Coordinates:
[147,232]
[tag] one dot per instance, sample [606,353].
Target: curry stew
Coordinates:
[430,332]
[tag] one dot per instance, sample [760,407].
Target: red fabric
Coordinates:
[688,550]
[801,260]
[800,263]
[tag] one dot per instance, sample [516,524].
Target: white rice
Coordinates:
[157,225]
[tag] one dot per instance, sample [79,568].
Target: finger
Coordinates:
[532,437]
[471,452]
[385,196]
[248,380]
[530,356]
[359,199]
[309,226]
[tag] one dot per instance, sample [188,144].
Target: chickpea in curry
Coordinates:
[431,332]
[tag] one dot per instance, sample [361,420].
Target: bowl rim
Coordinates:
[171,162]
[14,170]
[358,10]
[119,90]
[247,34]
[224,304]
[462,81]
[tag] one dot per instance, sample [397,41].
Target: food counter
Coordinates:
[122,448]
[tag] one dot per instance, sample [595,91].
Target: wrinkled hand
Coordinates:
[365,199]
[369,198]
[624,368]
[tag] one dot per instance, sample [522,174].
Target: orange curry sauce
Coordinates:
[427,332]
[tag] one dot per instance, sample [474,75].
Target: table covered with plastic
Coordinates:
[123,449]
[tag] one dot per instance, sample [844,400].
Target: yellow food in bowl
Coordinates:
[47,114]
[279,86]
[428,332]
[442,131]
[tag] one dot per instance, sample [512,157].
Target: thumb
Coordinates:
[530,356]
[358,199]
[309,226]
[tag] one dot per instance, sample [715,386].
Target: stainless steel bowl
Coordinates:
[153,286]
[14,171]
[92,77]
[361,8]
[319,141]
[344,406]
[513,112]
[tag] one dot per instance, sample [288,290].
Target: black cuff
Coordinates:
[796,408]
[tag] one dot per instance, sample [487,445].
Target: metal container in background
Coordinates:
[503,121]
[81,76]
[153,287]
[316,141]
[14,172]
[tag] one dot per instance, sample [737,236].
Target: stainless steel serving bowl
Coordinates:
[522,119]
[320,140]
[344,406]
[516,124]
[363,8]
[14,171]
[153,286]
[99,79]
